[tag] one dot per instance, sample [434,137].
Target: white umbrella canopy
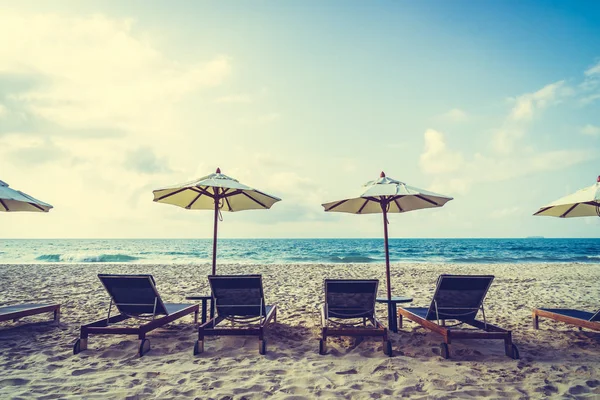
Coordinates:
[217,192]
[583,203]
[397,196]
[386,195]
[12,200]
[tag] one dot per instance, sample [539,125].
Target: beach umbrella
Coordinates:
[386,195]
[216,192]
[583,203]
[12,200]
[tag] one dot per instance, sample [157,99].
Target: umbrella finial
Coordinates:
[218,170]
[382,175]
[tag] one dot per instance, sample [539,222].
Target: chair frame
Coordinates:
[378,329]
[210,327]
[110,324]
[578,322]
[39,309]
[485,330]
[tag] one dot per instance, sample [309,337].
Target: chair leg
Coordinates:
[536,321]
[323,342]
[196,318]
[199,345]
[81,343]
[57,316]
[400,321]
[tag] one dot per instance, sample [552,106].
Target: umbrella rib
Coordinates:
[205,192]
[541,210]
[363,206]
[228,205]
[427,200]
[234,193]
[268,195]
[592,203]
[171,194]
[4,205]
[193,201]
[36,206]
[569,210]
[254,200]
[398,204]
[339,203]
[375,199]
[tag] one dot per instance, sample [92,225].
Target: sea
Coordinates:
[293,251]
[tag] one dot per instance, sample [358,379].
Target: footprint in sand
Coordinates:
[14,382]
[578,389]
[347,372]
[84,371]
[593,383]
[52,367]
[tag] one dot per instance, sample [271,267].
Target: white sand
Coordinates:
[37,362]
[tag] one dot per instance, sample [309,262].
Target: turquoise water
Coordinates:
[273,251]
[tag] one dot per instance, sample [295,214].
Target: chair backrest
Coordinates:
[350,298]
[238,295]
[596,317]
[459,297]
[133,294]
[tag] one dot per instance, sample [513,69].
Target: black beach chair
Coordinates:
[134,296]
[240,300]
[19,311]
[578,318]
[349,305]
[459,298]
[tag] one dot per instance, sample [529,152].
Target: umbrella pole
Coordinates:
[214,258]
[387,252]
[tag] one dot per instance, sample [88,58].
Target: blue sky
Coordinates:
[494,103]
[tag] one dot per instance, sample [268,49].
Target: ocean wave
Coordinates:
[101,258]
[350,259]
[525,259]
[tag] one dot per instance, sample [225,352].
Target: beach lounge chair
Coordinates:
[459,298]
[240,300]
[349,305]
[19,311]
[581,319]
[134,296]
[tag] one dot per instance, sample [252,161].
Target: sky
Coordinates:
[496,104]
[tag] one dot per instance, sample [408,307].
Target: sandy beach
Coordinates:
[36,359]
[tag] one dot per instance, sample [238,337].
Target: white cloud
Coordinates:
[504,141]
[455,115]
[90,90]
[593,70]
[589,99]
[591,130]
[145,161]
[527,104]
[436,158]
[451,186]
[456,174]
[97,73]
